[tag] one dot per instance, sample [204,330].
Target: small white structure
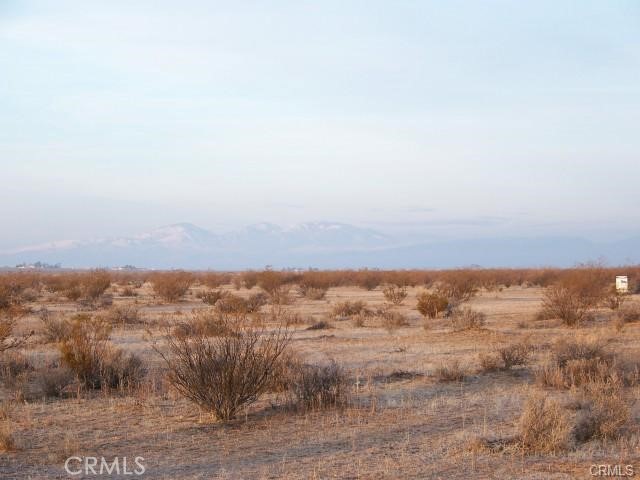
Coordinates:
[622,284]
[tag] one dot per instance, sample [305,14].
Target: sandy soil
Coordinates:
[400,423]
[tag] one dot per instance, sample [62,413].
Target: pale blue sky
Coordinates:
[444,118]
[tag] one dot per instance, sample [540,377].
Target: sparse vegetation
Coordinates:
[467,319]
[394,294]
[430,305]
[172,286]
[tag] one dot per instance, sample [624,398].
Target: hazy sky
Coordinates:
[449,118]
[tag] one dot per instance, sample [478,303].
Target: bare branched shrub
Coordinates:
[604,414]
[449,372]
[566,304]
[457,287]
[123,315]
[88,353]
[394,294]
[317,386]
[313,293]
[392,320]
[255,301]
[280,295]
[467,319]
[544,427]
[172,286]
[212,297]
[95,283]
[516,354]
[7,438]
[54,327]
[344,310]
[227,373]
[430,305]
[320,325]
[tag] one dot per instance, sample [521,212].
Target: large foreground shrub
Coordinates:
[225,373]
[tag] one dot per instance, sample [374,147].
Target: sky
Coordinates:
[427,118]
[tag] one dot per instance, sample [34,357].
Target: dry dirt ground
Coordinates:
[400,422]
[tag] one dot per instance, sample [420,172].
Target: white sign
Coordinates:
[622,283]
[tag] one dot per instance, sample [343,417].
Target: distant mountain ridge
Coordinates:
[314,244]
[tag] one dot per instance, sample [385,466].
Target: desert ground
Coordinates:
[405,414]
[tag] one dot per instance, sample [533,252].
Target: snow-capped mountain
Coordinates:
[320,245]
[189,246]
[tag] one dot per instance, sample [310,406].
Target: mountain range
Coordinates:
[317,245]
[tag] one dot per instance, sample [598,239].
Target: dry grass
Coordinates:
[467,319]
[544,426]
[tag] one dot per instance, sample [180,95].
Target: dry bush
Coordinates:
[215,279]
[88,353]
[123,315]
[544,427]
[449,372]
[346,309]
[629,313]
[95,283]
[212,297]
[8,341]
[313,293]
[318,387]
[604,413]
[580,362]
[359,320]
[280,295]
[430,305]
[490,362]
[255,301]
[52,380]
[394,294]
[208,323]
[516,354]
[172,286]
[7,439]
[392,320]
[614,299]
[457,287]
[320,325]
[128,292]
[54,327]
[467,319]
[224,374]
[230,303]
[566,304]
[15,370]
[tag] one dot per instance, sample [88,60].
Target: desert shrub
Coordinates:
[629,313]
[320,325]
[8,341]
[544,427]
[580,362]
[431,304]
[255,301]
[604,412]
[52,380]
[490,362]
[215,279]
[516,354]
[212,297]
[392,320]
[7,438]
[394,294]
[95,283]
[316,386]
[467,319]
[54,327]
[449,372]
[280,295]
[457,287]
[88,353]
[359,320]
[212,323]
[613,299]
[128,292]
[224,374]
[346,309]
[566,304]
[15,369]
[172,286]
[123,314]
[232,304]
[313,293]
